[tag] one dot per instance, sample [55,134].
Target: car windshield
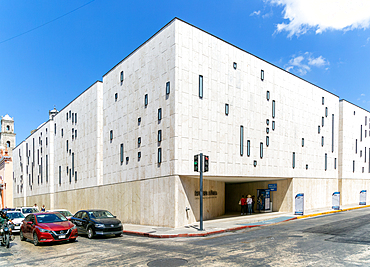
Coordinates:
[66,213]
[15,215]
[50,218]
[99,214]
[29,210]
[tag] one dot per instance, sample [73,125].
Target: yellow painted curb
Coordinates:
[332,211]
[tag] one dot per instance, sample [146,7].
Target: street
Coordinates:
[340,239]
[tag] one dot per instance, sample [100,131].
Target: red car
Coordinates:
[47,227]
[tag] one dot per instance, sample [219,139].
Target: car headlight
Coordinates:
[74,227]
[99,225]
[44,230]
[120,224]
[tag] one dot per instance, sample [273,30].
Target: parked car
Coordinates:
[47,227]
[27,210]
[97,222]
[64,212]
[17,218]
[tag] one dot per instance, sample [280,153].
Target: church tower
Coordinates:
[7,135]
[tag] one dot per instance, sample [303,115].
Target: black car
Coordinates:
[97,222]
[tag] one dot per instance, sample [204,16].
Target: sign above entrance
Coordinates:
[273,187]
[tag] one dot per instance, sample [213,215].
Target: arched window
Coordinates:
[8,128]
[8,143]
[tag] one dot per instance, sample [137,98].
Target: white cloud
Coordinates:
[362,94]
[318,62]
[322,15]
[255,13]
[301,63]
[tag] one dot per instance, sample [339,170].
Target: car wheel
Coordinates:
[90,233]
[21,236]
[35,239]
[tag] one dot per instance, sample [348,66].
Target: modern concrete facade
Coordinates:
[127,143]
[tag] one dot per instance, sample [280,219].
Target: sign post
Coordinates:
[363,197]
[201,192]
[299,204]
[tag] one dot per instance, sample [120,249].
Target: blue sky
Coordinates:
[51,51]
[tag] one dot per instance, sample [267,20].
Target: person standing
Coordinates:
[43,208]
[243,205]
[249,204]
[36,207]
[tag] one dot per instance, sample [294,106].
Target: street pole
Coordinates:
[201,191]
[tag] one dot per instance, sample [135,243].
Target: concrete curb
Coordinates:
[200,234]
[332,211]
[152,235]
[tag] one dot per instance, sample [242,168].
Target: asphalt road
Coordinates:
[340,239]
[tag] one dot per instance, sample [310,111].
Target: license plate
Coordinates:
[62,236]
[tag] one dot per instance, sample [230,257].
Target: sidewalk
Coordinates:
[227,223]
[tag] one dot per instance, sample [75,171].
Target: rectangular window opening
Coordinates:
[122,76]
[146,100]
[200,86]
[241,140]
[261,150]
[159,135]
[167,88]
[293,160]
[121,153]
[273,108]
[268,95]
[226,109]
[159,114]
[262,75]
[159,155]
[248,148]
[326,161]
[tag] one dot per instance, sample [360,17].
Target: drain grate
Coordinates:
[171,262]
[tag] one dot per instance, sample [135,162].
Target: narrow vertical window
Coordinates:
[268,95]
[167,88]
[73,163]
[67,145]
[361,134]
[121,153]
[159,155]
[365,120]
[70,113]
[111,135]
[67,116]
[322,140]
[353,166]
[200,86]
[46,168]
[293,160]
[267,121]
[138,155]
[55,128]
[326,161]
[159,114]
[75,118]
[261,150]
[121,76]
[139,141]
[70,176]
[61,132]
[356,147]
[273,125]
[241,140]
[262,75]
[75,176]
[76,134]
[248,148]
[326,111]
[273,108]
[235,65]
[335,163]
[302,142]
[267,141]
[46,141]
[146,100]
[159,135]
[226,109]
[323,100]
[318,129]
[60,175]
[332,133]
[322,121]
[115,97]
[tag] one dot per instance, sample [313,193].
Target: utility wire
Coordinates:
[42,25]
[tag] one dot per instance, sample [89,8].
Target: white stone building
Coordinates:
[127,143]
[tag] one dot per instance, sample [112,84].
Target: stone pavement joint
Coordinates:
[228,224]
